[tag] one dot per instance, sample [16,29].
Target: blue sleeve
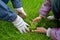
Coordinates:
[16,3]
[5,13]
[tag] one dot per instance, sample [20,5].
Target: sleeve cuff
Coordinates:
[21,8]
[18,20]
[48,32]
[42,16]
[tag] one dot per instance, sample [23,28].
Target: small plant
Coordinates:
[32,26]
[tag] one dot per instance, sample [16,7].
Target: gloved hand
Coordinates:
[20,11]
[21,25]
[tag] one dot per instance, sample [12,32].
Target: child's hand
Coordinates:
[41,30]
[37,19]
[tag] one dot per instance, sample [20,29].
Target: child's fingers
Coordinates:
[41,30]
[36,30]
[34,20]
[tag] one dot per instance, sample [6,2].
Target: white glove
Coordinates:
[48,32]
[21,10]
[20,24]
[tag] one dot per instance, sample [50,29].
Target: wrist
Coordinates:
[17,20]
[40,16]
[46,31]
[21,8]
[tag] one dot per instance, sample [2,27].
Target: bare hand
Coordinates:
[37,19]
[41,30]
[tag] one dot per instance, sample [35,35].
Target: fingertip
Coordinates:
[35,30]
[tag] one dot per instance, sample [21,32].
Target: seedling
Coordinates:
[32,26]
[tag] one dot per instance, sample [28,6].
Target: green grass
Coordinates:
[9,32]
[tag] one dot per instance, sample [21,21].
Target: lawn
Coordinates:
[9,32]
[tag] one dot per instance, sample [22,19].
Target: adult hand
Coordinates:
[21,12]
[21,25]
